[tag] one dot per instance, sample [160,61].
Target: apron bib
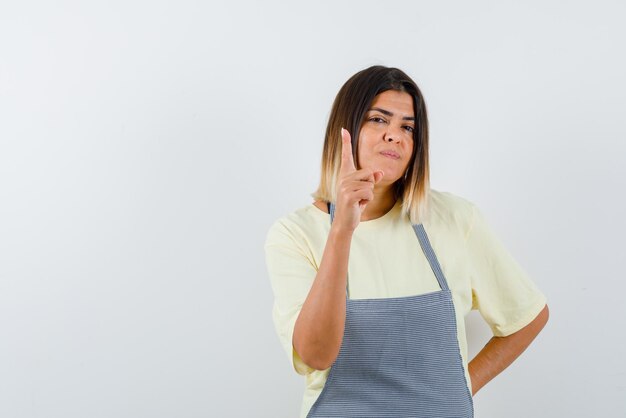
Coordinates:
[399,357]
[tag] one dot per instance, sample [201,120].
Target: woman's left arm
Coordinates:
[500,352]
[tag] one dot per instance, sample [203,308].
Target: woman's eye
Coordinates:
[377,119]
[409,128]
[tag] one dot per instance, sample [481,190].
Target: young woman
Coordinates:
[372,281]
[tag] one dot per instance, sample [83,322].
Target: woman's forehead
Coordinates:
[394,101]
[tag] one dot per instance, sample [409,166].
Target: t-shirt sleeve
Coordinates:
[291,271]
[502,291]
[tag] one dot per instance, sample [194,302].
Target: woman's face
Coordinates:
[386,137]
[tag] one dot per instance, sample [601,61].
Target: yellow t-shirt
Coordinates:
[386,260]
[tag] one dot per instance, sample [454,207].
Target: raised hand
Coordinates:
[355,188]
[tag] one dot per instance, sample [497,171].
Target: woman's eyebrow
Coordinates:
[388,113]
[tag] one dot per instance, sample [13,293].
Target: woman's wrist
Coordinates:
[339,232]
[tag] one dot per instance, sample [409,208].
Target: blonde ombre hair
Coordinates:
[348,111]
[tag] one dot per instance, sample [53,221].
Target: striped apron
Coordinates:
[399,356]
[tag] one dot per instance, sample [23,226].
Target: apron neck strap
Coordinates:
[430,255]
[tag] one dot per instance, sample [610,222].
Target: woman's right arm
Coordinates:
[319,328]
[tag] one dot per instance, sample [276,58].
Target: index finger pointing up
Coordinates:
[347,161]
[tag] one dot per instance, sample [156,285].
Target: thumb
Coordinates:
[378,176]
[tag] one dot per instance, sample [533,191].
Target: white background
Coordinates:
[147,146]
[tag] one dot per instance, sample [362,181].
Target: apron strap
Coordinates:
[424,243]
[430,255]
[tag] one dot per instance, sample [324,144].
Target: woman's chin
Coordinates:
[387,181]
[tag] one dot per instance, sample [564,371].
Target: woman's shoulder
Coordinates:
[314,213]
[447,207]
[451,201]
[300,223]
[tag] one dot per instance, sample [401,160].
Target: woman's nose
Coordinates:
[392,135]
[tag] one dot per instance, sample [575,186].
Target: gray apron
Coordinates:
[399,356]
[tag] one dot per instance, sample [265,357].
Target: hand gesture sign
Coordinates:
[355,188]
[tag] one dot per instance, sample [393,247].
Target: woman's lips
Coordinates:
[390,154]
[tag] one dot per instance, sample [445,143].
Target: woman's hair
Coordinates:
[348,111]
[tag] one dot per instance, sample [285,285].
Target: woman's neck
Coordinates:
[382,203]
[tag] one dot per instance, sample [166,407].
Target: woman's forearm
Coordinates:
[320,325]
[500,352]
